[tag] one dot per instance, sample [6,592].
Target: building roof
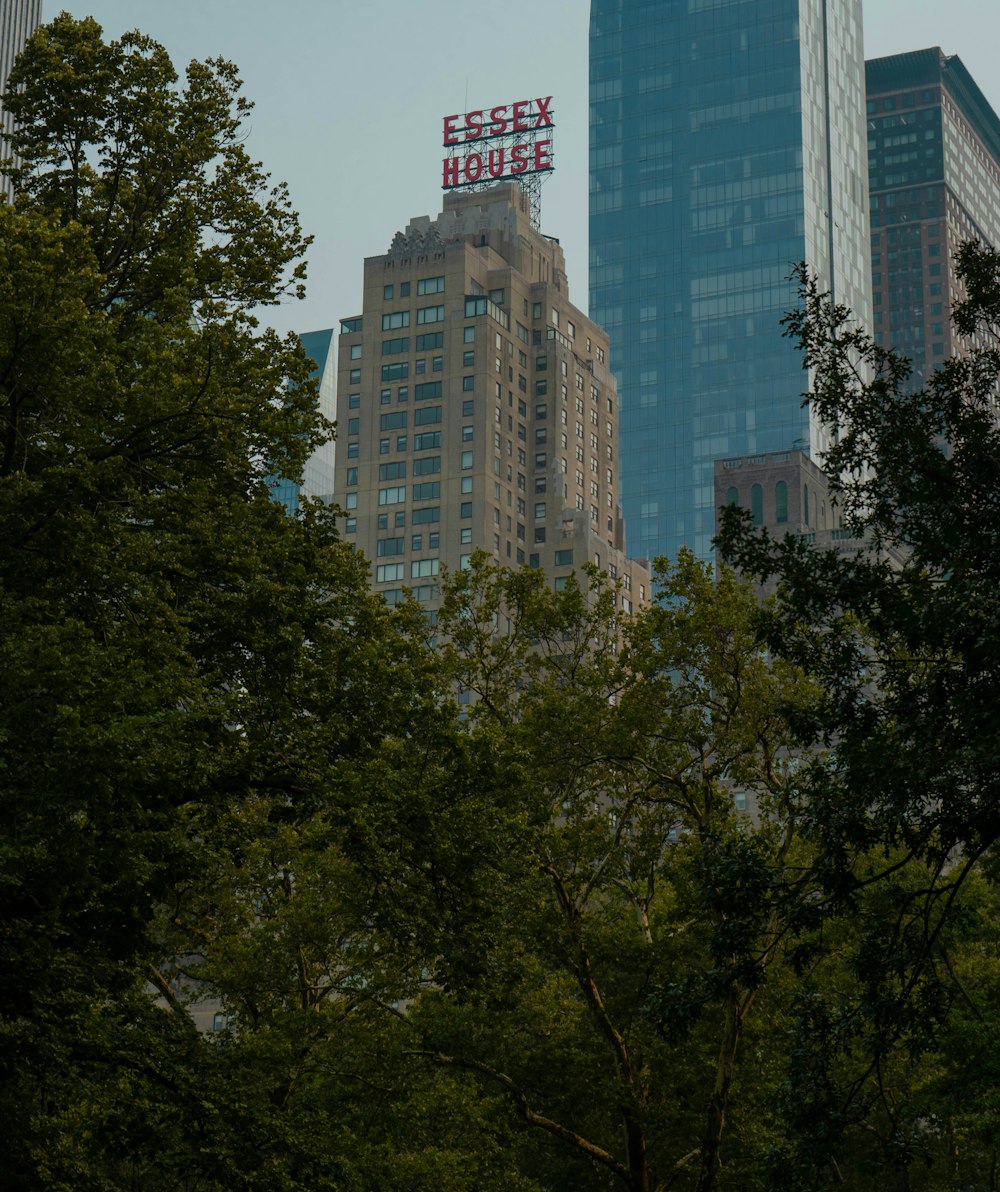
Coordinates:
[932,66]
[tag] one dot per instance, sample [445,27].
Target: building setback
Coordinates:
[18,20]
[475,407]
[934,175]
[727,144]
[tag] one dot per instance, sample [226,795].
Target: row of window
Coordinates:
[425,465]
[386,548]
[397,419]
[419,569]
[757,502]
[397,319]
[428,342]
[425,285]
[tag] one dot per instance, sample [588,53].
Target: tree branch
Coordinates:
[590,1149]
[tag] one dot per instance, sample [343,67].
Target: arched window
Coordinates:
[732,496]
[757,504]
[805,505]
[781,501]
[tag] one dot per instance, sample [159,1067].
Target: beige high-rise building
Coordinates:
[475,407]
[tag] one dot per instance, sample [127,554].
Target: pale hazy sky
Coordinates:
[349,120]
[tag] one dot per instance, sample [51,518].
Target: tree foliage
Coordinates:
[906,650]
[167,631]
[700,897]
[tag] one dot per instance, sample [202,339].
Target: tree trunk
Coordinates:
[719,1103]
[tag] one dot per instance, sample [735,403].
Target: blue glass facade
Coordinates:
[317,475]
[724,133]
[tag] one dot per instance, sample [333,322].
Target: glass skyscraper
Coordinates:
[18,20]
[727,143]
[317,474]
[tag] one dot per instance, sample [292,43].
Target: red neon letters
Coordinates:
[509,156]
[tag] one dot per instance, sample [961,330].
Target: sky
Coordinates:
[350,96]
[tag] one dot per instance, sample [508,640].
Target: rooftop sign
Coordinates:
[508,141]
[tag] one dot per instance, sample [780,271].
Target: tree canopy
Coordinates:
[906,651]
[546,897]
[164,624]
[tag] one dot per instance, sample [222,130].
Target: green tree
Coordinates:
[182,661]
[907,652]
[608,989]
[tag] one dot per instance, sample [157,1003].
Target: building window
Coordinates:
[732,496]
[355,376]
[425,415]
[355,351]
[466,484]
[387,293]
[394,421]
[781,502]
[395,320]
[757,504]
[468,384]
[430,285]
[354,426]
[393,471]
[425,466]
[389,547]
[430,515]
[429,314]
[465,536]
[391,496]
[429,490]
[354,401]
[465,509]
[387,572]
